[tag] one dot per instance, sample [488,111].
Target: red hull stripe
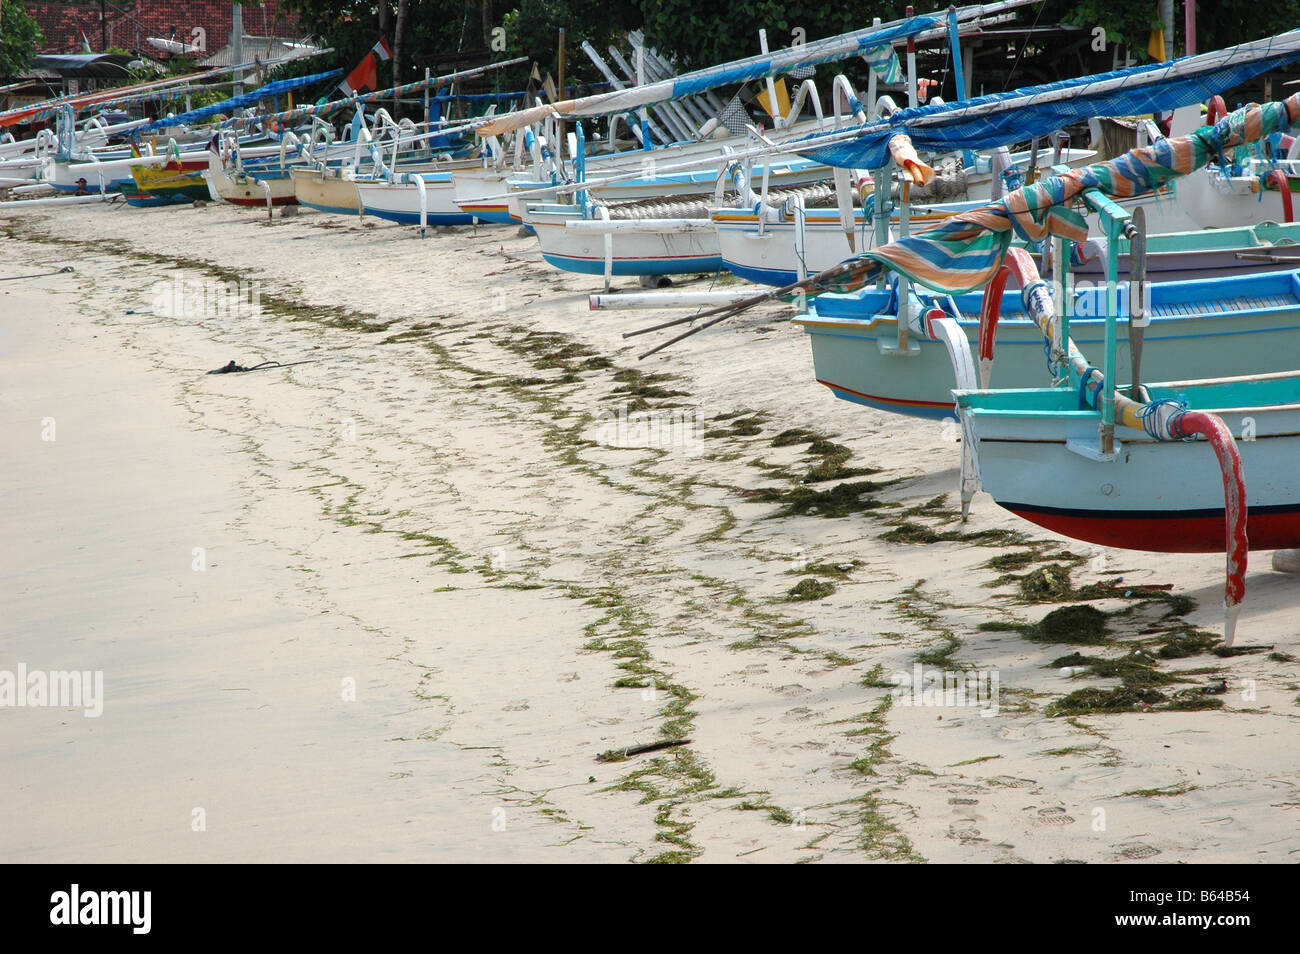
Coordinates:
[1198,531]
[938,405]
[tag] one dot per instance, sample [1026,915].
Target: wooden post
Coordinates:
[559,126]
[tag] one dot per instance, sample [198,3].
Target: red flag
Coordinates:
[366,75]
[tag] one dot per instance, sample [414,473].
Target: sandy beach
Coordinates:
[412,599]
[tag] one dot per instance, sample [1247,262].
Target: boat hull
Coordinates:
[326,192]
[771,257]
[173,195]
[632,253]
[246,189]
[857,357]
[1170,531]
[1156,496]
[1215,201]
[400,201]
[472,186]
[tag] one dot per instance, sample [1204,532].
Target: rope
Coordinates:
[14,278]
[1150,416]
[1021,52]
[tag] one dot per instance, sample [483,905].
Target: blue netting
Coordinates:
[235,102]
[948,127]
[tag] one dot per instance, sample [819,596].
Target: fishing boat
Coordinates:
[652,224]
[770,243]
[176,182]
[412,198]
[325,178]
[1219,326]
[1132,467]
[175,195]
[690,167]
[472,184]
[615,240]
[1210,326]
[249,186]
[666,234]
[784,244]
[253,178]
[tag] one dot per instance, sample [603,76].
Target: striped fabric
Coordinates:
[884,63]
[965,252]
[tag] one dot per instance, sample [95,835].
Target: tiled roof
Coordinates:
[128,24]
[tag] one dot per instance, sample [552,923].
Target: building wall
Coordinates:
[129,23]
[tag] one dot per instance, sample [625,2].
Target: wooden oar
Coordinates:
[1137,281]
[723,312]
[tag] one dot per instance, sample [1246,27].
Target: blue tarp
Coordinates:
[277,88]
[1002,118]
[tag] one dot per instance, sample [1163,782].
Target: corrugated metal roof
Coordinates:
[96,65]
[262,47]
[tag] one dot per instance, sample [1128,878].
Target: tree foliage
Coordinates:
[19,38]
[698,33]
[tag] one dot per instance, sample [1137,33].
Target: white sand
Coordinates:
[413,515]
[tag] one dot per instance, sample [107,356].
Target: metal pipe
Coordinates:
[57,200]
[609,248]
[418,180]
[904,286]
[911,64]
[687,299]
[800,237]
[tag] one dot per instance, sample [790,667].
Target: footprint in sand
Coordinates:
[964,830]
[798,714]
[1053,816]
[792,690]
[1138,852]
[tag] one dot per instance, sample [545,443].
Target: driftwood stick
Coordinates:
[616,755]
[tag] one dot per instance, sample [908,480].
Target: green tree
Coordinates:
[1218,25]
[19,38]
[697,35]
[436,32]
